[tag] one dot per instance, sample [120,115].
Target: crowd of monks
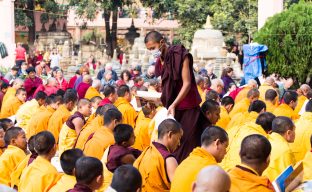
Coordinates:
[103,143]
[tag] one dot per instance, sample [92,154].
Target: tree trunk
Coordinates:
[31,29]
[108,39]
[114,29]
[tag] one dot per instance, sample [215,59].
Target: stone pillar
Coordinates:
[268,8]
[7,31]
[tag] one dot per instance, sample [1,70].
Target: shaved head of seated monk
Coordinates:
[149,110]
[18,83]
[253,95]
[285,127]
[21,94]
[15,136]
[211,109]
[45,145]
[112,117]
[95,101]
[96,84]
[2,142]
[127,178]
[53,101]
[212,178]
[215,141]
[68,160]
[84,107]
[41,97]
[110,95]
[70,99]
[271,96]
[228,103]
[6,123]
[217,85]
[87,79]
[124,91]
[89,174]
[102,109]
[291,98]
[252,83]
[265,121]
[257,106]
[213,95]
[51,82]
[305,89]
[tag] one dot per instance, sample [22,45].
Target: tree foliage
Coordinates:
[288,36]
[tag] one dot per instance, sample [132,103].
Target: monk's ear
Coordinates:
[218,142]
[99,179]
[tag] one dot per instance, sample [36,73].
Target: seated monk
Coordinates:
[94,90]
[10,107]
[15,139]
[307,164]
[252,84]
[102,138]
[17,83]
[268,84]
[32,82]
[213,95]
[227,104]
[119,153]
[73,125]
[255,158]
[271,100]
[301,145]
[156,163]
[49,88]
[262,126]
[41,170]
[214,142]
[211,110]
[110,95]
[60,116]
[68,160]
[304,89]
[40,120]
[84,86]
[257,107]
[29,108]
[129,114]
[95,102]
[286,109]
[212,178]
[281,156]
[243,105]
[92,126]
[201,88]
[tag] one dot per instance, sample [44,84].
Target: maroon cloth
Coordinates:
[62,84]
[82,89]
[137,85]
[80,188]
[165,153]
[31,86]
[4,80]
[171,76]
[234,93]
[47,89]
[32,158]
[72,81]
[69,121]
[104,102]
[115,154]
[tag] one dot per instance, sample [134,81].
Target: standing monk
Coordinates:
[179,90]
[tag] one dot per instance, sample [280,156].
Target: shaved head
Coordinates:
[17,83]
[212,178]
[101,110]
[257,106]
[83,102]
[305,89]
[96,84]
[52,82]
[252,83]
[253,93]
[269,81]
[153,36]
[87,79]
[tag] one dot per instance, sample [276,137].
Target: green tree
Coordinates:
[288,36]
[89,8]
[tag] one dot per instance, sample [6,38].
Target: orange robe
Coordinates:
[202,95]
[307,166]
[242,118]
[270,107]
[89,129]
[66,183]
[25,112]
[284,110]
[8,94]
[99,142]
[142,133]
[224,118]
[240,107]
[242,94]
[187,171]
[39,121]
[129,114]
[9,160]
[243,180]
[58,118]
[92,92]
[16,174]
[262,89]
[40,175]
[151,165]
[10,107]
[301,100]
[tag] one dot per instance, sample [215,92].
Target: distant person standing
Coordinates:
[55,59]
[20,55]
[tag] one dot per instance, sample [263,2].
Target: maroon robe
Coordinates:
[104,102]
[82,89]
[80,188]
[31,85]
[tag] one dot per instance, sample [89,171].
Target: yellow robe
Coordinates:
[242,118]
[307,166]
[25,112]
[236,136]
[129,114]
[40,175]
[58,118]
[281,156]
[10,107]
[285,110]
[67,139]
[39,121]
[142,133]
[66,183]
[262,89]
[240,107]
[187,171]
[244,181]
[202,95]
[92,92]
[242,94]
[9,94]
[303,131]
[16,174]
[9,160]
[96,146]
[301,100]
[224,118]
[151,165]
[270,107]
[92,127]
[108,176]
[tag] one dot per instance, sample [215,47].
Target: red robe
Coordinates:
[31,85]
[82,89]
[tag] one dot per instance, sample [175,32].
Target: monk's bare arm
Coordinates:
[128,159]
[186,78]
[171,165]
[78,123]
